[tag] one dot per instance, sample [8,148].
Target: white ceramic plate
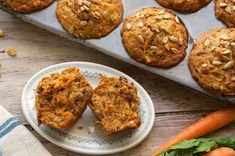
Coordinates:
[90,139]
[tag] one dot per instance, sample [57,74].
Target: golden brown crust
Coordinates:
[89,19]
[155,37]
[225,11]
[116,105]
[184,5]
[212,61]
[62,98]
[27,6]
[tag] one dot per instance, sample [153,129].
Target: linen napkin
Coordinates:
[16,140]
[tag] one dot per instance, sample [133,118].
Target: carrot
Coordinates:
[222,151]
[207,124]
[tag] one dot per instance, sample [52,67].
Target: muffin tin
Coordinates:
[196,23]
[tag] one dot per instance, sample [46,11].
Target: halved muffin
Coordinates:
[115,103]
[62,98]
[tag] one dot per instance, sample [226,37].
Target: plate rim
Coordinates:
[70,148]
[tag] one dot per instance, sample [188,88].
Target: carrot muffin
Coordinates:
[27,6]
[115,103]
[62,98]
[155,37]
[212,61]
[225,11]
[184,5]
[89,18]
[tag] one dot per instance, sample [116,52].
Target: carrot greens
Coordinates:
[195,147]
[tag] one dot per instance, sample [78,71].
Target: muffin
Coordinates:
[89,18]
[212,61]
[62,98]
[225,11]
[115,103]
[27,6]
[184,6]
[155,37]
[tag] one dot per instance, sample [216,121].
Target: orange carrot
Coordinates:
[207,124]
[223,151]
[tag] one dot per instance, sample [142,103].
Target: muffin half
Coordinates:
[116,105]
[62,98]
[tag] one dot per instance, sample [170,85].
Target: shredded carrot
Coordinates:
[207,124]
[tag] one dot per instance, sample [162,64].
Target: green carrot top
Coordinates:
[195,147]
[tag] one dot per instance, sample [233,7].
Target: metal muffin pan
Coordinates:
[196,23]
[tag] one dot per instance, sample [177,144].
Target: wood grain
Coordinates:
[176,106]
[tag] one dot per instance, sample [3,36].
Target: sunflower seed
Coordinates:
[83,23]
[223,5]
[79,2]
[96,15]
[95,1]
[153,47]
[158,17]
[114,18]
[212,48]
[105,13]
[173,38]
[233,44]
[207,42]
[82,8]
[181,42]
[87,3]
[140,38]
[228,65]
[223,42]
[165,40]
[225,58]
[140,24]
[233,78]
[204,65]
[86,8]
[233,8]
[2,33]
[228,9]
[128,26]
[226,52]
[177,19]
[11,52]
[224,37]
[174,50]
[161,12]
[167,16]
[217,63]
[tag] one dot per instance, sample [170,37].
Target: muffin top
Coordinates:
[89,18]
[155,37]
[212,61]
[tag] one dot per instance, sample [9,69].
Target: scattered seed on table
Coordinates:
[11,52]
[2,33]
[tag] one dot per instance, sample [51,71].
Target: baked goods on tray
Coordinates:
[89,18]
[184,5]
[115,103]
[155,37]
[62,98]
[225,11]
[27,6]
[212,61]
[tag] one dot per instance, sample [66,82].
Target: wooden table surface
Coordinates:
[176,106]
